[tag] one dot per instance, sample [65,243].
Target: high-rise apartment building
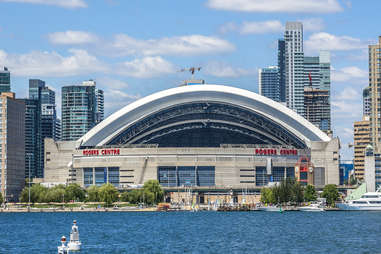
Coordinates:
[80,109]
[40,123]
[366,101]
[5,80]
[282,69]
[294,66]
[12,146]
[317,86]
[100,111]
[375,88]
[362,138]
[317,107]
[268,83]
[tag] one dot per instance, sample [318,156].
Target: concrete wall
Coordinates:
[137,165]
[58,156]
[327,155]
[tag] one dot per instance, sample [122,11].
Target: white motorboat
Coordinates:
[314,207]
[270,209]
[74,244]
[370,201]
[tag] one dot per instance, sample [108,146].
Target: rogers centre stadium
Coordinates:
[205,137]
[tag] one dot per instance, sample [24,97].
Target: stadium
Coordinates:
[213,139]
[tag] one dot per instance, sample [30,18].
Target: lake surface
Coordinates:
[200,232]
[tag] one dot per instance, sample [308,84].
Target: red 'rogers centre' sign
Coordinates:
[273,151]
[98,152]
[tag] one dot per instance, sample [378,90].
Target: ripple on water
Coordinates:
[202,232]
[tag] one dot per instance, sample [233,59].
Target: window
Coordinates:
[113,176]
[87,176]
[100,176]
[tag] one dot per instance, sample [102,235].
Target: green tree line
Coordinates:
[290,191]
[151,193]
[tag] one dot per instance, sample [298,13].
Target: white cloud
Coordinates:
[303,6]
[348,73]
[116,99]
[348,93]
[51,64]
[79,62]
[60,3]
[345,109]
[112,83]
[146,67]
[326,41]
[270,26]
[312,24]
[72,37]
[178,45]
[219,69]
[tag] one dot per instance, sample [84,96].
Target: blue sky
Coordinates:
[133,48]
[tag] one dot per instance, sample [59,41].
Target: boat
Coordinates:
[270,209]
[63,249]
[74,244]
[370,201]
[314,207]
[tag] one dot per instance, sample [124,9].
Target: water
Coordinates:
[201,232]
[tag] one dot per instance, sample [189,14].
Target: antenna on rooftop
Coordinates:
[191,70]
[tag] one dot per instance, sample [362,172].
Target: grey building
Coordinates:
[317,86]
[80,109]
[268,83]
[366,102]
[12,146]
[5,80]
[210,137]
[294,60]
[40,122]
[282,69]
[100,111]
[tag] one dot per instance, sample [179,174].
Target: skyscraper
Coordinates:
[294,59]
[374,88]
[282,69]
[40,122]
[317,86]
[317,107]
[268,82]
[12,164]
[362,138]
[100,105]
[366,101]
[79,109]
[5,80]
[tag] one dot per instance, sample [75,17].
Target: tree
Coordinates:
[108,194]
[135,196]
[297,193]
[353,180]
[93,193]
[124,197]
[331,194]
[152,187]
[310,193]
[267,196]
[1,198]
[55,194]
[74,192]
[37,194]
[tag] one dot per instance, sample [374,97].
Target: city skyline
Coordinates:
[132,55]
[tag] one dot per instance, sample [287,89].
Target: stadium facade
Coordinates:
[200,136]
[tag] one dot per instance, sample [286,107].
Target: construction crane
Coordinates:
[191,70]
